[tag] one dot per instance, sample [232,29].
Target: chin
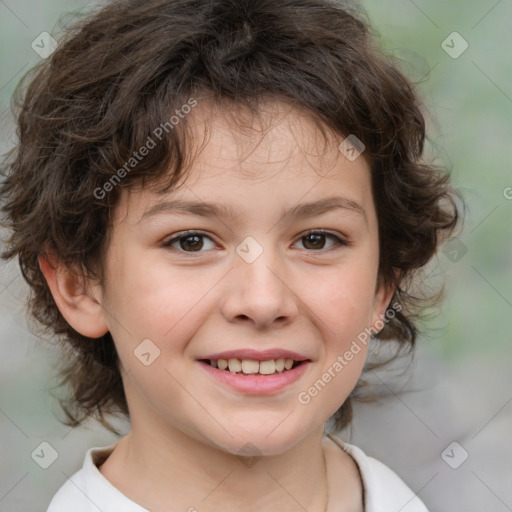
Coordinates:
[257,442]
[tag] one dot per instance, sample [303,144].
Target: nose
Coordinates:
[258,293]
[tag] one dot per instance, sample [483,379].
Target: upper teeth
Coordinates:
[250,366]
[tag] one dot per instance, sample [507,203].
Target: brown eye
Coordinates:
[316,240]
[189,242]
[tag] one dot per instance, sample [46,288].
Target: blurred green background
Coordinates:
[459,388]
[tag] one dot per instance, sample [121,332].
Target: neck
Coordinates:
[156,471]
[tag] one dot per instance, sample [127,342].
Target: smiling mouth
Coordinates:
[253,367]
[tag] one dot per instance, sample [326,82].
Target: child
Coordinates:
[276,140]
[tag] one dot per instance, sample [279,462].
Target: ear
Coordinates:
[383,297]
[78,299]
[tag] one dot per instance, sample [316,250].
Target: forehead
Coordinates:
[256,143]
[235,151]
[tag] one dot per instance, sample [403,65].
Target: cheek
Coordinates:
[343,303]
[150,301]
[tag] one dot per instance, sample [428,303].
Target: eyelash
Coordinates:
[338,242]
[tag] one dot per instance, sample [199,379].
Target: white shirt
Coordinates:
[89,491]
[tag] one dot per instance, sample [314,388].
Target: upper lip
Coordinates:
[257,355]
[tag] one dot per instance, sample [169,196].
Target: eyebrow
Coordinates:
[226,211]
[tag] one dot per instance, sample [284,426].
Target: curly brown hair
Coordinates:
[119,72]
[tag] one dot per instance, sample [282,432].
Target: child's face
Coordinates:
[216,293]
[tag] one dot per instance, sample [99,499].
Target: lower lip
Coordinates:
[257,384]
